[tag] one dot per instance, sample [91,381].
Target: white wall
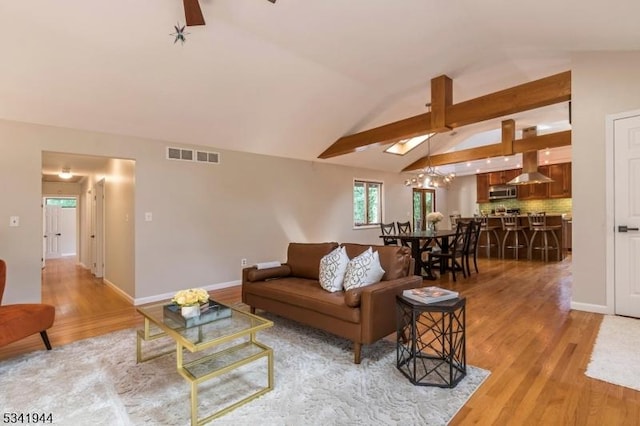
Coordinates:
[462,195]
[205,217]
[602,83]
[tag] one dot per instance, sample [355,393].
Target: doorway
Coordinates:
[424,202]
[623,275]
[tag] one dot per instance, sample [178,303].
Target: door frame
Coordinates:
[610,210]
[44,223]
[97,229]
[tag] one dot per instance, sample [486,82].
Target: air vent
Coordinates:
[179,154]
[208,157]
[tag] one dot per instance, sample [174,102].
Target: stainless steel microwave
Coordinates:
[503,191]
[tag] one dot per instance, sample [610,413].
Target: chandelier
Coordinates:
[430,177]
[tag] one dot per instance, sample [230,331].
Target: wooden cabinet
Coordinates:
[535,191]
[482,188]
[559,188]
[561,185]
[503,176]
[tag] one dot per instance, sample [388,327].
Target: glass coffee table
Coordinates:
[226,344]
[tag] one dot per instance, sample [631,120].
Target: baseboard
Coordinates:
[118,290]
[588,307]
[165,296]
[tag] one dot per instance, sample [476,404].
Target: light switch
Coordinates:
[148,217]
[14,221]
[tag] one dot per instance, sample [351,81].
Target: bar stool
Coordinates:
[488,230]
[510,225]
[538,224]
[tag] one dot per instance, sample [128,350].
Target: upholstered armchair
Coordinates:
[18,321]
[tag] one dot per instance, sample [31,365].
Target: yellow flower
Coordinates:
[190,297]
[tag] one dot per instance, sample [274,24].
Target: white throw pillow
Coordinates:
[363,270]
[332,269]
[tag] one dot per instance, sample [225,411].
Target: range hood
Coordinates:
[530,173]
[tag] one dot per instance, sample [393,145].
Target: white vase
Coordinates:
[190,311]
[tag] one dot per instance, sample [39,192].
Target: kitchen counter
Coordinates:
[523,220]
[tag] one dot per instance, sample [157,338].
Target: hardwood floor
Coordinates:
[519,326]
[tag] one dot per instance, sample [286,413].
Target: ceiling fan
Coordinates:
[193,13]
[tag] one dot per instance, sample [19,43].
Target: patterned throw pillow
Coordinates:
[363,270]
[332,269]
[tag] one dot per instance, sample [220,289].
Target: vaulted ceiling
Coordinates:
[290,78]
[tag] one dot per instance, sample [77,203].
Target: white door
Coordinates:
[627,215]
[52,232]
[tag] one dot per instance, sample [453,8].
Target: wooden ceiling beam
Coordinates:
[508,136]
[527,96]
[441,101]
[551,140]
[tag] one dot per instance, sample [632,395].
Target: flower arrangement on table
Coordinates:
[190,300]
[434,218]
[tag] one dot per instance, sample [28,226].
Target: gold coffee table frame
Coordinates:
[207,336]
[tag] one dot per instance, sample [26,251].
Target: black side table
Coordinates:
[431,348]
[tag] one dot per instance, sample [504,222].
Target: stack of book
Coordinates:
[429,294]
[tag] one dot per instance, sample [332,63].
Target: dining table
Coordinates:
[419,242]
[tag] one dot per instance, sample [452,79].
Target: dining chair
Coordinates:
[20,320]
[471,249]
[453,258]
[388,229]
[453,219]
[404,227]
[538,224]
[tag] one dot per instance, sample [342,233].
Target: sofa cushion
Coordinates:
[363,270]
[395,260]
[332,269]
[305,293]
[304,258]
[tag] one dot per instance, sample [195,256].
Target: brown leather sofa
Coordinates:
[363,315]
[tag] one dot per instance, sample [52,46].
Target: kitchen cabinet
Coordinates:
[535,191]
[561,185]
[482,188]
[503,176]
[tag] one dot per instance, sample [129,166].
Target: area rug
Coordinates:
[615,358]
[97,381]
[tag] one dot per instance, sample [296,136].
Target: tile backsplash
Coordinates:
[549,205]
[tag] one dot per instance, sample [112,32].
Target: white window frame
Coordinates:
[380,207]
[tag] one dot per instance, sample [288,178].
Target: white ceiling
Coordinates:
[286,79]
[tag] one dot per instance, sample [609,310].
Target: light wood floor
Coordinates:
[519,326]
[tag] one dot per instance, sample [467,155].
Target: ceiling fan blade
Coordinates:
[192,13]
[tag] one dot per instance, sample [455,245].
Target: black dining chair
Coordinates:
[404,227]
[471,249]
[388,229]
[453,258]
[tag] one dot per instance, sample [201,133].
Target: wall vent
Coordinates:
[208,157]
[179,154]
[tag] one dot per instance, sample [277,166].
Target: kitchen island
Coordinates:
[523,220]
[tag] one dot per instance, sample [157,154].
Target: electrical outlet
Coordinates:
[243,262]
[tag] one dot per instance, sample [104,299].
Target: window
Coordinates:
[367,203]
[62,202]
